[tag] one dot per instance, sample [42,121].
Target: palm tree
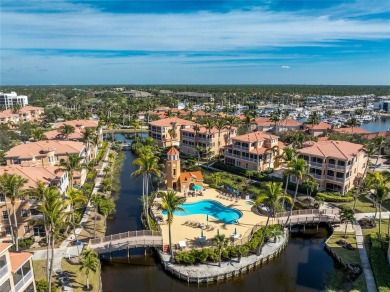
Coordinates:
[74,196]
[37,135]
[54,212]
[346,215]
[12,185]
[248,121]
[196,128]
[66,130]
[106,207]
[271,195]
[287,155]
[95,201]
[89,263]
[379,142]
[382,193]
[313,119]
[170,203]
[220,242]
[352,122]
[71,165]
[297,168]
[219,125]
[148,164]
[359,111]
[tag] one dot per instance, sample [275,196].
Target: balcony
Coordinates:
[3,271]
[37,217]
[340,179]
[317,176]
[330,177]
[332,166]
[25,280]
[315,164]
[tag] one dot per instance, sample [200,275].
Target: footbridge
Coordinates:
[309,216]
[126,240]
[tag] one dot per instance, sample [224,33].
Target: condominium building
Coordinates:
[255,151]
[265,124]
[336,165]
[318,130]
[27,114]
[10,99]
[16,270]
[211,141]
[26,206]
[48,153]
[166,132]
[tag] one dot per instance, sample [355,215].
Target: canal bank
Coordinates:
[302,266]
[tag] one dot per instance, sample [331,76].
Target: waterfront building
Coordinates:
[16,270]
[177,180]
[318,130]
[48,153]
[8,100]
[255,151]
[357,130]
[336,165]
[265,124]
[210,140]
[166,132]
[26,206]
[27,114]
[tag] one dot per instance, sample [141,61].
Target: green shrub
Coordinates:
[379,264]
[334,197]
[42,285]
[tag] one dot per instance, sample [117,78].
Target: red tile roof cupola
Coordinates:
[173,154]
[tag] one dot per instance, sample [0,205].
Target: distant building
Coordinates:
[16,270]
[318,129]
[10,99]
[382,105]
[335,165]
[27,114]
[255,151]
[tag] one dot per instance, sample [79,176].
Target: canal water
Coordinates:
[303,266]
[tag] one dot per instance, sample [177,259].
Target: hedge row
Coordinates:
[211,254]
[379,265]
[334,197]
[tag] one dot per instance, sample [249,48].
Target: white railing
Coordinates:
[3,271]
[23,281]
[37,217]
[315,164]
[123,235]
[309,212]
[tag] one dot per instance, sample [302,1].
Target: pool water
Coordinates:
[211,208]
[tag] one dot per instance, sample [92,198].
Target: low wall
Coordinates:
[232,268]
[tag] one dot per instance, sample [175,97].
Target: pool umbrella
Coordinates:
[201,233]
[218,231]
[207,219]
[235,231]
[197,188]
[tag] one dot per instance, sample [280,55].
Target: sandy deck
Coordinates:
[183,232]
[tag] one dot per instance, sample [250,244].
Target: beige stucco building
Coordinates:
[335,165]
[255,151]
[28,113]
[167,132]
[16,270]
[211,141]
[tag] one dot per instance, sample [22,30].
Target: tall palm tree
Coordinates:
[73,197]
[313,119]
[89,263]
[379,141]
[12,187]
[196,129]
[220,242]
[346,215]
[248,121]
[297,168]
[54,211]
[66,130]
[353,123]
[271,195]
[71,165]
[382,193]
[287,155]
[220,124]
[148,165]
[106,207]
[95,201]
[170,203]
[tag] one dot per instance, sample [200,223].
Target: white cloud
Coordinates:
[285,67]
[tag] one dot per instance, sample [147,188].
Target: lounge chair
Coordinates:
[187,222]
[211,228]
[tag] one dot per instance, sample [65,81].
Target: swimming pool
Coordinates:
[211,208]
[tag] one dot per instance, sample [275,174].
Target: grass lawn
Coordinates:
[40,273]
[78,278]
[384,228]
[348,256]
[363,205]
[386,204]
[87,231]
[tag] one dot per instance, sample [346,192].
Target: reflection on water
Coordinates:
[303,266]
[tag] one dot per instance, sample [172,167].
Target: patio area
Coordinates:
[195,231]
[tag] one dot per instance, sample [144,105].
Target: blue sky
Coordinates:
[195,42]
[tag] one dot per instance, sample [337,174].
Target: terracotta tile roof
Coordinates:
[195,174]
[18,259]
[29,108]
[33,174]
[263,122]
[201,113]
[351,130]
[168,122]
[78,124]
[203,130]
[319,127]
[371,136]
[173,151]
[55,134]
[289,123]
[8,114]
[331,148]
[4,246]
[260,150]
[34,149]
[323,138]
[255,136]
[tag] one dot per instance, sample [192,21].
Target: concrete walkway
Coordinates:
[67,252]
[370,280]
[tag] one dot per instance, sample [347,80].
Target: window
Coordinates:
[5,215]
[26,229]
[24,213]
[6,286]
[7,230]
[15,161]
[2,199]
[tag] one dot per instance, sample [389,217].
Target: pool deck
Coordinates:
[182,232]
